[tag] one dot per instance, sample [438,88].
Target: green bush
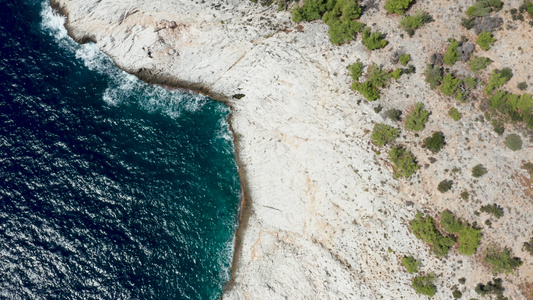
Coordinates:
[450,223]
[424,228]
[342,20]
[470,82]
[377,76]
[477,63]
[410,264]
[444,186]
[485,40]
[498,99]
[435,142]
[405,59]
[383,134]
[501,260]
[393,114]
[356,70]
[433,75]
[451,55]
[424,285]
[478,171]
[465,195]
[373,40]
[412,22]
[528,246]
[514,142]
[366,89]
[483,7]
[492,209]
[454,114]
[469,239]
[457,294]
[451,87]
[396,74]
[417,119]
[397,6]
[404,162]
[522,86]
[498,78]
[529,8]
[468,23]
[311,10]
[339,15]
[495,288]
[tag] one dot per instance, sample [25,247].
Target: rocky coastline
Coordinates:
[321,215]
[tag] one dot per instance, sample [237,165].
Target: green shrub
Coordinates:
[514,142]
[435,142]
[405,59]
[433,75]
[457,294]
[492,209]
[366,89]
[383,134]
[468,23]
[404,162]
[424,285]
[451,87]
[396,74]
[451,55]
[469,239]
[529,8]
[373,40]
[377,76]
[498,99]
[522,86]
[528,246]
[485,40]
[393,114]
[454,114]
[342,20]
[478,171]
[397,6]
[478,63]
[495,288]
[444,186]
[410,264]
[501,260]
[483,7]
[450,223]
[356,70]
[417,119]
[465,195]
[311,10]
[339,15]
[412,22]
[498,78]
[424,228]
[470,82]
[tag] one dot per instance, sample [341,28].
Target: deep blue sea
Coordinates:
[110,188]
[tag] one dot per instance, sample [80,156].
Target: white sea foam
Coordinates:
[122,86]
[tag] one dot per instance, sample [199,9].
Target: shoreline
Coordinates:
[173,83]
[328,220]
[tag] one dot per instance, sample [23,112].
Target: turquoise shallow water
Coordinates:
[111,188]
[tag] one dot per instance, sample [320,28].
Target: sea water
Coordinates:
[110,188]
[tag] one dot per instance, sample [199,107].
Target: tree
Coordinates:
[410,264]
[417,119]
[485,40]
[397,6]
[424,285]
